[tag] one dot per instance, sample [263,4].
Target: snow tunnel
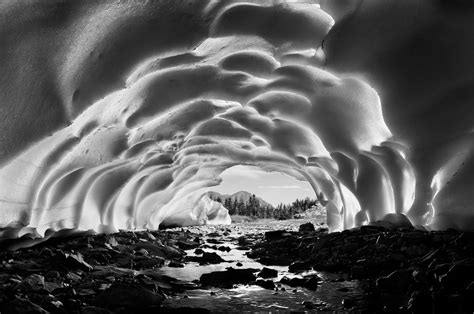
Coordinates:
[123,113]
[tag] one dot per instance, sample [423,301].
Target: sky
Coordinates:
[273,187]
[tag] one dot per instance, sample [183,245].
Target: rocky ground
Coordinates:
[399,270]
[403,270]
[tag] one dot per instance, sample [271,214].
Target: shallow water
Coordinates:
[250,298]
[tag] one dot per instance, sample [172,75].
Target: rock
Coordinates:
[420,302]
[307,227]
[52,275]
[206,258]
[150,236]
[224,248]
[198,251]
[243,241]
[398,220]
[149,262]
[268,273]
[20,305]
[309,305]
[299,266]
[397,281]
[73,276]
[358,272]
[348,303]
[159,250]
[266,284]
[187,245]
[32,282]
[275,260]
[51,286]
[226,279]
[76,261]
[175,264]
[238,264]
[128,295]
[142,252]
[469,292]
[310,283]
[275,235]
[214,241]
[94,310]
[459,275]
[112,241]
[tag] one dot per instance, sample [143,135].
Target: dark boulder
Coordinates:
[307,227]
[396,282]
[266,284]
[268,273]
[299,266]
[226,279]
[20,305]
[128,295]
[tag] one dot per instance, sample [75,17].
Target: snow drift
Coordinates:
[121,115]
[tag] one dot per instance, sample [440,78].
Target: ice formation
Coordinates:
[122,114]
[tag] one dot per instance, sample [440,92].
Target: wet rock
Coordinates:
[275,260]
[128,295]
[20,305]
[299,266]
[307,227]
[159,250]
[187,245]
[266,284]
[310,283]
[243,241]
[214,241]
[226,279]
[396,282]
[224,248]
[268,273]
[206,258]
[175,264]
[149,262]
[276,235]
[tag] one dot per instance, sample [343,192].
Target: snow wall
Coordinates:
[121,114]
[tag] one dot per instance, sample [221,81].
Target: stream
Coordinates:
[329,296]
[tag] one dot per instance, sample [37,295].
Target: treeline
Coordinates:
[253,208]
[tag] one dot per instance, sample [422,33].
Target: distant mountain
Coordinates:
[241,195]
